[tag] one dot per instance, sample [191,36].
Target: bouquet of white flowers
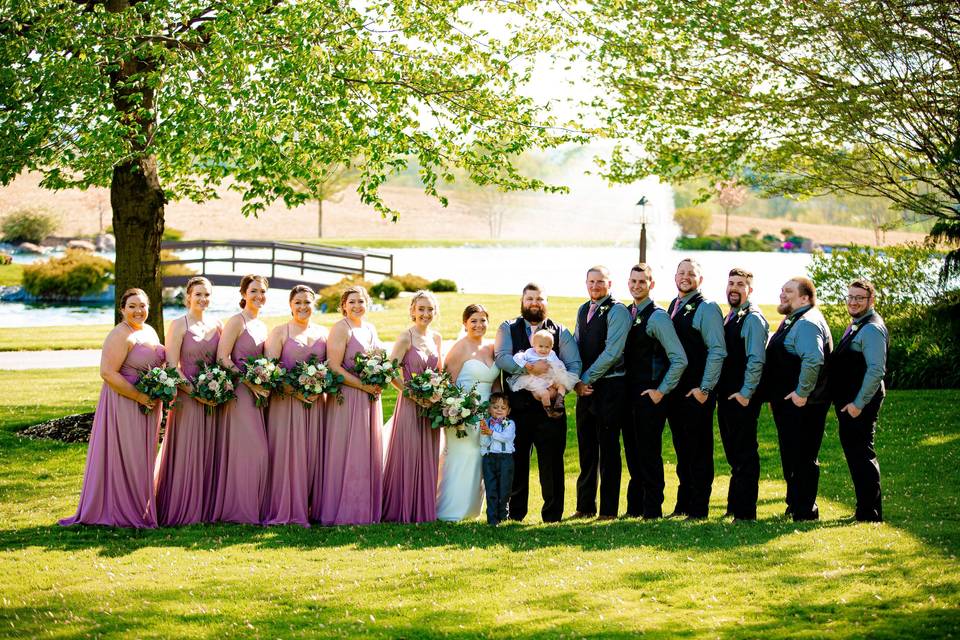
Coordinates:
[264,372]
[160,383]
[374,367]
[312,377]
[426,388]
[459,409]
[214,384]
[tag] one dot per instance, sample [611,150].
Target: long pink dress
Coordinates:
[118,479]
[185,463]
[412,454]
[352,453]
[240,451]
[294,436]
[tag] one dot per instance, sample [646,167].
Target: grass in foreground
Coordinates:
[391,321]
[666,579]
[10,274]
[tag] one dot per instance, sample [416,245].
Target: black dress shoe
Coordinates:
[695,518]
[606,518]
[678,514]
[581,515]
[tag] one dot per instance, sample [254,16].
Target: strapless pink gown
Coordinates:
[118,479]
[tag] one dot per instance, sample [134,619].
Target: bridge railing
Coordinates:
[313,261]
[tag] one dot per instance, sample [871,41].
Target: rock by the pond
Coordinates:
[82,245]
[72,428]
[105,242]
[29,247]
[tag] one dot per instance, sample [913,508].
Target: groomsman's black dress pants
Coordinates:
[691,427]
[738,433]
[643,449]
[800,434]
[856,438]
[549,436]
[599,419]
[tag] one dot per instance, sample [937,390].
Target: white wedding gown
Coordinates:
[460,492]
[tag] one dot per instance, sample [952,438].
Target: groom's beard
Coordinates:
[533,316]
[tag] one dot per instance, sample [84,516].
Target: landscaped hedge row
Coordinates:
[74,275]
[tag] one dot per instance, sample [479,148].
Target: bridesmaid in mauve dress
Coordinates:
[118,479]
[412,448]
[353,453]
[185,463]
[294,431]
[240,452]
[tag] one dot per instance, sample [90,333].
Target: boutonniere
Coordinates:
[637,320]
[602,310]
[788,321]
[854,329]
[688,308]
[741,313]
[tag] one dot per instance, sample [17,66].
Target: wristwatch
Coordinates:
[705,392]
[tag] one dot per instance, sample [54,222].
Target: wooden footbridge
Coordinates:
[318,265]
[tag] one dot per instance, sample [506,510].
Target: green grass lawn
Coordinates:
[391,321]
[10,274]
[666,579]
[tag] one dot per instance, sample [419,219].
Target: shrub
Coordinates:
[328,298]
[906,278]
[412,282]
[172,235]
[720,243]
[386,290]
[441,285]
[5,258]
[173,269]
[28,225]
[925,348]
[72,276]
[693,221]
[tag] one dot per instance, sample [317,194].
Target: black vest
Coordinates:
[781,371]
[644,355]
[848,367]
[692,343]
[735,364]
[523,399]
[592,336]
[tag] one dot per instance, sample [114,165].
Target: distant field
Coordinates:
[10,274]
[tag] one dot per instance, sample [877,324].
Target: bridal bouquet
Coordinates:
[426,388]
[160,383]
[374,367]
[214,384]
[312,377]
[458,409]
[264,372]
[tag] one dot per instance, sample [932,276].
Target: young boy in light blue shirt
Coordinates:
[496,446]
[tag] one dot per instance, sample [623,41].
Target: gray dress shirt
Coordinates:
[807,340]
[755,331]
[870,340]
[618,325]
[708,321]
[660,328]
[503,351]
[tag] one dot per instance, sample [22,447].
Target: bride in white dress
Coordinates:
[470,362]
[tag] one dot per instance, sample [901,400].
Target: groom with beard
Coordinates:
[534,427]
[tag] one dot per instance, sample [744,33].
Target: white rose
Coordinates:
[464,412]
[170,383]
[163,376]
[201,377]
[311,370]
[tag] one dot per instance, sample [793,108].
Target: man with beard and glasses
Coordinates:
[795,382]
[738,407]
[699,325]
[534,427]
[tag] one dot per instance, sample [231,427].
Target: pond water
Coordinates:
[560,271]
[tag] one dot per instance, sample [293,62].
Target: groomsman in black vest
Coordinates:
[699,326]
[857,367]
[738,407]
[654,360]
[602,326]
[795,382]
[534,427]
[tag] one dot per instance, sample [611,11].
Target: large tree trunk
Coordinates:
[137,201]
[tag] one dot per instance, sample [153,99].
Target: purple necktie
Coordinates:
[591,311]
[676,308]
[730,316]
[633,312]
[847,332]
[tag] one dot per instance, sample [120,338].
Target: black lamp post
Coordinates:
[642,203]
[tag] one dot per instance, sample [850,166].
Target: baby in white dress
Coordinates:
[550,387]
